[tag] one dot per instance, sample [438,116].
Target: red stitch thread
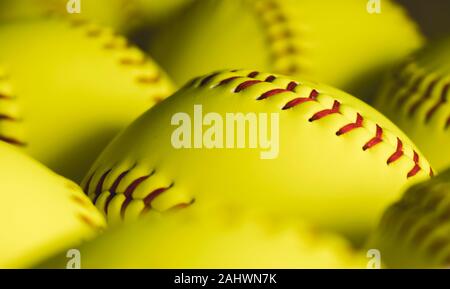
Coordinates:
[292,86]
[376,140]
[397,154]
[207,79]
[278,18]
[117,181]
[409,92]
[442,101]
[99,187]
[296,101]
[425,97]
[227,80]
[246,84]
[326,112]
[181,205]
[351,126]
[150,197]
[129,193]
[270,78]
[7,117]
[416,167]
[148,79]
[88,184]
[4,96]
[88,221]
[280,36]
[253,74]
[12,141]
[272,93]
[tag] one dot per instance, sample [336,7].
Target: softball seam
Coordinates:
[128,192]
[412,220]
[270,14]
[414,82]
[335,109]
[8,100]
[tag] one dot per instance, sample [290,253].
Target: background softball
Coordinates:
[75,85]
[122,15]
[41,213]
[335,42]
[415,96]
[228,238]
[414,232]
[333,151]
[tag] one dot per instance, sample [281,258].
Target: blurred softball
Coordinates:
[335,42]
[224,239]
[297,148]
[415,97]
[75,86]
[41,213]
[414,232]
[122,15]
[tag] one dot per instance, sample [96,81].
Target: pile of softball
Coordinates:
[222,134]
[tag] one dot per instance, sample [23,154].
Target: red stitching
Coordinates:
[299,100]
[397,154]
[426,96]
[144,79]
[272,92]
[416,167]
[442,101]
[12,141]
[410,91]
[7,117]
[376,140]
[181,205]
[351,126]
[246,84]
[326,112]
[292,86]
[88,221]
[227,80]
[207,79]
[129,193]
[5,96]
[285,35]
[99,187]
[88,184]
[270,78]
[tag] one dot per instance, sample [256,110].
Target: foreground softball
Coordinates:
[223,239]
[339,42]
[415,96]
[414,232]
[297,148]
[75,86]
[41,213]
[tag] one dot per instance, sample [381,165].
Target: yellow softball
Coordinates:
[215,237]
[75,85]
[415,96]
[414,232]
[298,148]
[122,15]
[41,213]
[336,42]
